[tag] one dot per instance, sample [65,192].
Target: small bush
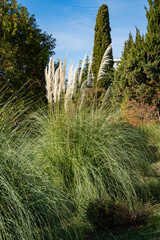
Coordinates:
[138,113]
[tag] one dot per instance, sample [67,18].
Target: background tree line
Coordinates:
[138,76]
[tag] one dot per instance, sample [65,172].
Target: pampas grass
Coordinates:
[82,67]
[56,82]
[89,70]
[31,207]
[54,166]
[48,77]
[107,93]
[106,60]
[91,158]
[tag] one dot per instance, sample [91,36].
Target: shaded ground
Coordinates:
[149,232]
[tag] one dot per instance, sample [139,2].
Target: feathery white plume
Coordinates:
[89,70]
[48,74]
[82,67]
[60,79]
[74,82]
[107,93]
[106,60]
[70,80]
[53,76]
[82,99]
[56,85]
[64,75]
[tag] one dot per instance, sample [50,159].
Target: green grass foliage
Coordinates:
[91,157]
[55,164]
[30,206]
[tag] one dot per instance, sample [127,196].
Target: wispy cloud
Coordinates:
[75,35]
[69,41]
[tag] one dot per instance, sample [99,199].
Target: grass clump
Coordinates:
[55,166]
[30,206]
[152,130]
[91,158]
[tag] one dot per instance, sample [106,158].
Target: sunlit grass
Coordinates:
[31,207]
[90,157]
[54,164]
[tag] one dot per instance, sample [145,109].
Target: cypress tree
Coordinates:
[120,80]
[127,46]
[130,79]
[102,40]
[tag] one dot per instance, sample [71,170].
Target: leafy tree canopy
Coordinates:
[24,49]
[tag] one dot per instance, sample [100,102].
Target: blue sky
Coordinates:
[72,23]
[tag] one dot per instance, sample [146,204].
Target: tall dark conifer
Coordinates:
[152,48]
[102,40]
[127,46]
[138,76]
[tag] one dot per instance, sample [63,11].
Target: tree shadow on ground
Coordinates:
[148,232]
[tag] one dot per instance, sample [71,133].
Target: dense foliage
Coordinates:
[59,170]
[102,40]
[138,76]
[24,49]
